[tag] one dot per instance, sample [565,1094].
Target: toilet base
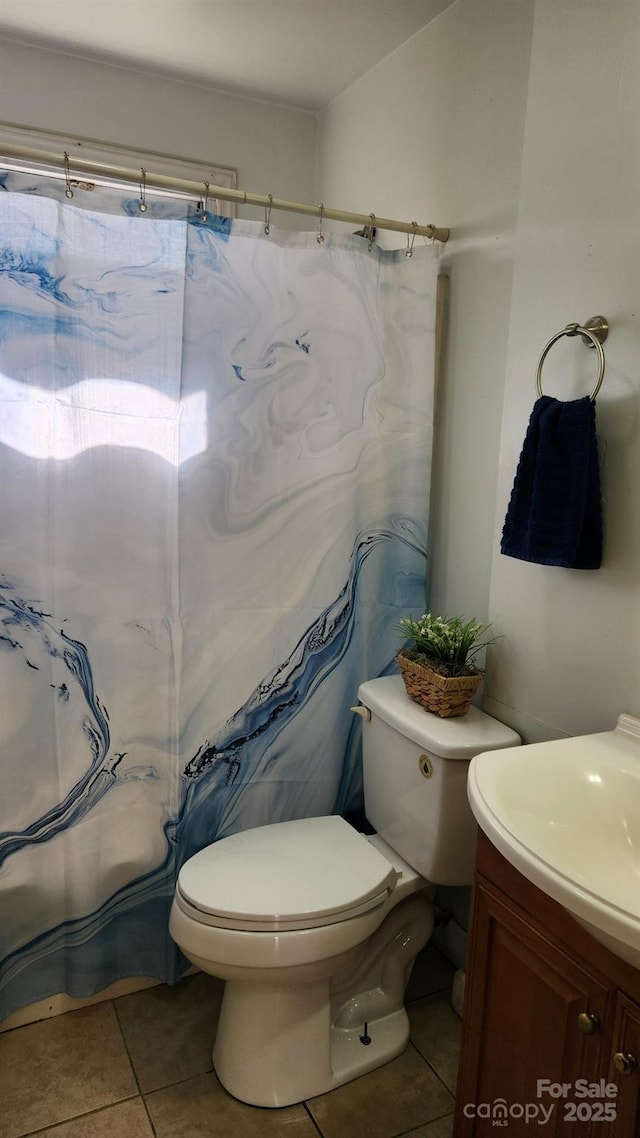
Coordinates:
[272,1043]
[280,1044]
[275,1046]
[350,1058]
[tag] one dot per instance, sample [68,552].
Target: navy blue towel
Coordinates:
[555,513]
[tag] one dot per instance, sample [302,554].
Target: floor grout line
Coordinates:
[427,995]
[316,1125]
[149,1118]
[404,1133]
[75,1117]
[143,1096]
[165,1086]
[178,1082]
[124,1044]
[432,1068]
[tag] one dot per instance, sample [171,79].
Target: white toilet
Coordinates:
[315,927]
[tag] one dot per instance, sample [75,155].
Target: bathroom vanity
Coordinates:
[552,1019]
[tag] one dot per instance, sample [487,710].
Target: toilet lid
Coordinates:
[288,875]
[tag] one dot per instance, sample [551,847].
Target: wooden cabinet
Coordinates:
[551,1032]
[626,1059]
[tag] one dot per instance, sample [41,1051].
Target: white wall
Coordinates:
[521,135]
[434,133]
[272,147]
[570,660]
[518,125]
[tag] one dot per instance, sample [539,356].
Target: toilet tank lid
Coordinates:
[460,737]
[288,872]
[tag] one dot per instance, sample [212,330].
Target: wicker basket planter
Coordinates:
[445,696]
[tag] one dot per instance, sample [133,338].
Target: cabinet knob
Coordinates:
[625,1063]
[588,1023]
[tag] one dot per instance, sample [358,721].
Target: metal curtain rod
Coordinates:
[223,193]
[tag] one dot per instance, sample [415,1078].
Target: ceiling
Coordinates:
[298,52]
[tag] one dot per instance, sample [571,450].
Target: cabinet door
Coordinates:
[624,1070]
[523,1026]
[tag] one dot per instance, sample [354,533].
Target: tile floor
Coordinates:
[140,1066]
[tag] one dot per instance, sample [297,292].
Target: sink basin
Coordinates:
[566,814]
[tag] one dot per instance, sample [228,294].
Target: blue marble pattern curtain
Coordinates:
[214,457]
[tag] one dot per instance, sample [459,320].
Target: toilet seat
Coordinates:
[303,874]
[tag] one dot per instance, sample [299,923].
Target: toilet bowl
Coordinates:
[292,938]
[284,896]
[315,927]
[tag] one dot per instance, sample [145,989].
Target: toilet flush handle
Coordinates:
[362,711]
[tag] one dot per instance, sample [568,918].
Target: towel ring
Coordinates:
[594,332]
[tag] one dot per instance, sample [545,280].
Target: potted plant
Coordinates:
[437,667]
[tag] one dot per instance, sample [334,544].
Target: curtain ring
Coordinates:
[372,230]
[142,204]
[204,216]
[320,237]
[68,193]
[267,216]
[410,240]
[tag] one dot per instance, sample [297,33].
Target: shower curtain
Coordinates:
[214,458]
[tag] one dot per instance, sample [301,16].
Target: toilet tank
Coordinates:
[415,769]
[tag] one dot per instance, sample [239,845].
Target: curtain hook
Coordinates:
[204,216]
[320,237]
[267,216]
[410,240]
[372,231]
[68,193]
[142,204]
